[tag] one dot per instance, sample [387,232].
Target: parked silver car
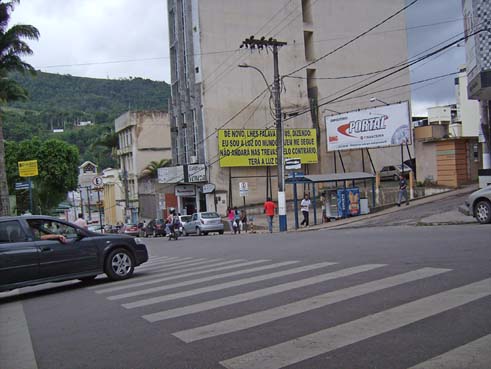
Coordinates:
[392,172]
[478,205]
[203,223]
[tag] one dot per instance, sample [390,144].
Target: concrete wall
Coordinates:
[469,109]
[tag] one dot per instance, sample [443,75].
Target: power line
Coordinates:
[396,71]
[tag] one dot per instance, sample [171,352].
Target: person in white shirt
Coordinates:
[304,207]
[81,221]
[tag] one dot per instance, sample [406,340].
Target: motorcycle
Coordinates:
[175,230]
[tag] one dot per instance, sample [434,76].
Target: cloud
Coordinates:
[91,31]
[446,20]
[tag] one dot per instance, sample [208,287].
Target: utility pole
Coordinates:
[274,44]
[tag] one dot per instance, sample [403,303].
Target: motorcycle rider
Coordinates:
[172,222]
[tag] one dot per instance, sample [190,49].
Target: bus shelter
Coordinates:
[341,180]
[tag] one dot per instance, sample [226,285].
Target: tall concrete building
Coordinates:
[143,137]
[211,92]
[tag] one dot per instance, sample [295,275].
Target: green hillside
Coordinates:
[59,101]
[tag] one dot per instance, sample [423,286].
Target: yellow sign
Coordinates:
[28,168]
[257,147]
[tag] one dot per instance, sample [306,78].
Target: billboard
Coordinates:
[257,147]
[377,127]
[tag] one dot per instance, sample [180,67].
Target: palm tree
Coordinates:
[12,48]
[152,168]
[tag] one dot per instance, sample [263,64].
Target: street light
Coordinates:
[275,93]
[373,99]
[245,65]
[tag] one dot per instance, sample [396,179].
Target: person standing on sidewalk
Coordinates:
[402,190]
[304,207]
[81,221]
[269,208]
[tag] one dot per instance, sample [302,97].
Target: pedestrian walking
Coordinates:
[243,220]
[402,190]
[305,207]
[236,222]
[231,218]
[269,209]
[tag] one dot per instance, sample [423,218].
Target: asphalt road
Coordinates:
[370,297]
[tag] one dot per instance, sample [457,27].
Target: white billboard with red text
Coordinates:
[377,127]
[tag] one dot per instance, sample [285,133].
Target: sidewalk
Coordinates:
[451,217]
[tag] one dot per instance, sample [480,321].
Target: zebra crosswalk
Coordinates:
[176,288]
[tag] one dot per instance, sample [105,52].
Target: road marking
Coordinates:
[184,265]
[192,281]
[221,286]
[229,300]
[302,306]
[165,258]
[174,262]
[324,341]
[162,262]
[16,349]
[178,274]
[474,355]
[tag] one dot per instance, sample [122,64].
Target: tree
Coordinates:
[12,48]
[57,164]
[151,170]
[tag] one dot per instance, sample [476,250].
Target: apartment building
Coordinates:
[143,136]
[210,92]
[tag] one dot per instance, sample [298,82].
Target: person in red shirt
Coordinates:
[269,210]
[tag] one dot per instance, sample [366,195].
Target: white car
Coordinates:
[478,205]
[204,223]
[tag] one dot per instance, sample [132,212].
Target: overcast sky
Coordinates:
[123,38]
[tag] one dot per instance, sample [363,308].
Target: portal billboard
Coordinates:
[377,127]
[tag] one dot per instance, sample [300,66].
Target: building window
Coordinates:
[307,11]
[308,38]
[475,152]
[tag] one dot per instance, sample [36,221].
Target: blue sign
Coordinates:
[21,186]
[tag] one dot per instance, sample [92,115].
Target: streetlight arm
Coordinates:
[244,65]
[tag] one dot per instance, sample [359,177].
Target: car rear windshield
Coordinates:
[209,215]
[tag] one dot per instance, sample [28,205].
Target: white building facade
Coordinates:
[143,137]
[210,92]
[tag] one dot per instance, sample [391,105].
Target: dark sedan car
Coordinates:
[40,249]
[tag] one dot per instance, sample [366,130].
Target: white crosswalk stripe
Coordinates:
[168,275]
[185,310]
[326,340]
[179,273]
[302,306]
[474,355]
[187,263]
[221,286]
[195,281]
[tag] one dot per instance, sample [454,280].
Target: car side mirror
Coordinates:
[81,234]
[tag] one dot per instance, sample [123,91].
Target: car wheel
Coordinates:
[198,231]
[483,212]
[205,233]
[220,232]
[184,233]
[119,265]
[87,279]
